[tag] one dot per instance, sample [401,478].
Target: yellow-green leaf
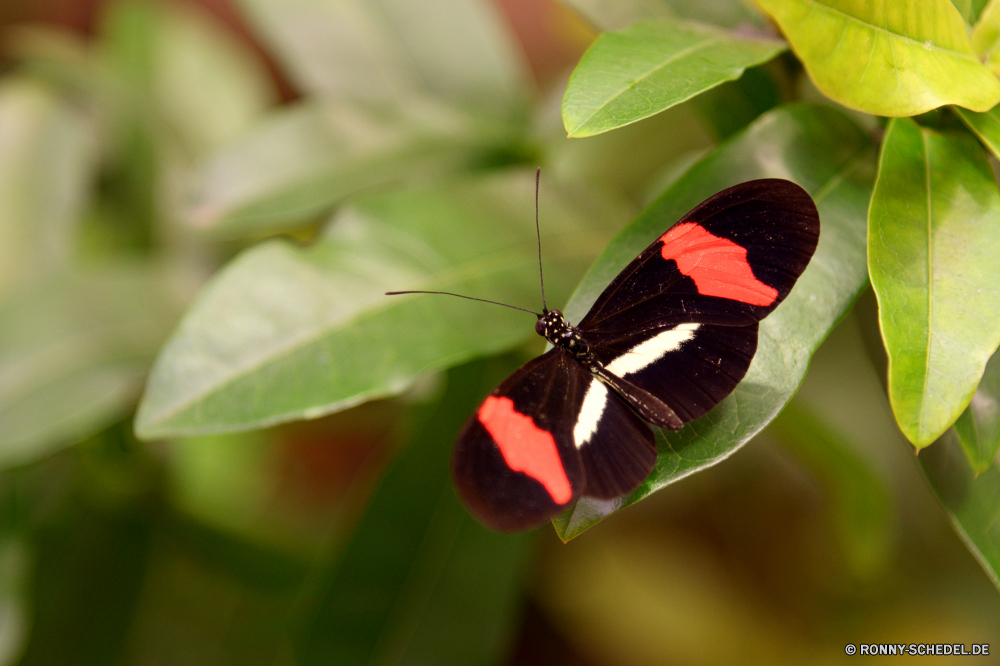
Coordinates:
[887,58]
[933,238]
[986,36]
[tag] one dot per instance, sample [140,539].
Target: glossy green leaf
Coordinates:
[884,57]
[420,582]
[986,126]
[635,73]
[47,160]
[286,332]
[302,160]
[73,354]
[971,501]
[460,50]
[986,36]
[833,159]
[933,239]
[978,428]
[859,506]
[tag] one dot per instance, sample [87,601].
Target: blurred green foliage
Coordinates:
[185,260]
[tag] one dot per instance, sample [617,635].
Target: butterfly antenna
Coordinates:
[538,235]
[448,293]
[541,276]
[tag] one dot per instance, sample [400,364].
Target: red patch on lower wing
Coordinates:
[718,266]
[526,447]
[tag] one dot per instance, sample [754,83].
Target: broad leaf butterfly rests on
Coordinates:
[667,340]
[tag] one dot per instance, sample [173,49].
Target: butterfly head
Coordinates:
[553,327]
[550,325]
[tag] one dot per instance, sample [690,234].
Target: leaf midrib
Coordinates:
[930,286]
[872,26]
[455,273]
[709,41]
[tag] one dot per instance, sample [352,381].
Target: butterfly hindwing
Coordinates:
[548,434]
[514,464]
[616,446]
[680,322]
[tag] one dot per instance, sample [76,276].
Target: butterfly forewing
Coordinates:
[680,321]
[690,367]
[729,261]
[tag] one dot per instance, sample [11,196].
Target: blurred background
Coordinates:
[135,137]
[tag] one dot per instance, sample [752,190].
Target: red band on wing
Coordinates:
[718,266]
[526,447]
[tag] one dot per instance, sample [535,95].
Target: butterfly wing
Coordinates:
[677,374]
[680,321]
[548,434]
[729,261]
[617,447]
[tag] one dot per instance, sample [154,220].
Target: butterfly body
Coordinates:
[667,340]
[553,326]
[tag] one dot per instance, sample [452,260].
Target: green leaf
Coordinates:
[302,160]
[884,57]
[418,562]
[971,10]
[986,36]
[619,14]
[727,13]
[823,151]
[89,563]
[986,126]
[206,83]
[14,617]
[933,234]
[971,501]
[285,332]
[73,354]
[174,67]
[859,507]
[460,50]
[729,108]
[640,71]
[978,428]
[627,159]
[47,160]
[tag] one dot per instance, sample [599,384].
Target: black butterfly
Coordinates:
[670,337]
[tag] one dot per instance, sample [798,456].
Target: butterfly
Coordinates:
[666,341]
